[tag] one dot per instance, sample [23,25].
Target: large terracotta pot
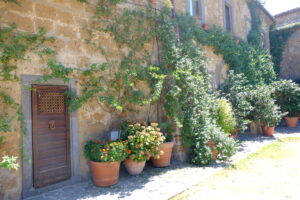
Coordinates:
[215,151]
[164,159]
[268,131]
[105,173]
[291,122]
[134,167]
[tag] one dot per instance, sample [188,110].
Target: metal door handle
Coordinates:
[52,124]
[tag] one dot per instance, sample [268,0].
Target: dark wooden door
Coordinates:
[51,137]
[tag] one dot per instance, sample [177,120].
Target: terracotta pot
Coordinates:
[291,122]
[134,167]
[268,131]
[234,133]
[206,27]
[153,1]
[215,151]
[105,173]
[165,159]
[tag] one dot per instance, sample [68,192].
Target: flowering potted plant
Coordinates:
[105,160]
[164,158]
[143,142]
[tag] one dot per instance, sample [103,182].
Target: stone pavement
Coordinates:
[161,183]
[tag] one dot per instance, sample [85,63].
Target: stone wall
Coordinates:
[65,20]
[290,65]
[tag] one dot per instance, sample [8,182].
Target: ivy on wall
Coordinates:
[14,46]
[255,37]
[278,40]
[180,79]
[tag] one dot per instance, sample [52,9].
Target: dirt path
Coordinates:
[273,173]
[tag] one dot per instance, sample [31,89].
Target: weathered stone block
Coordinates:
[24,23]
[43,23]
[26,6]
[45,11]
[66,31]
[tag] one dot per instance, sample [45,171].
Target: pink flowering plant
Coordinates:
[144,141]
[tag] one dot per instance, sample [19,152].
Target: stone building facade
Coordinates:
[64,19]
[290,64]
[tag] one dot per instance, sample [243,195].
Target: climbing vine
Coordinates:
[179,79]
[278,40]
[14,46]
[255,34]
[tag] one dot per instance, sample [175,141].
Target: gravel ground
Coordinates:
[161,183]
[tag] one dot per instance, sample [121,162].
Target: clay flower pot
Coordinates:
[291,122]
[268,131]
[206,27]
[153,1]
[215,151]
[164,159]
[134,167]
[234,133]
[105,173]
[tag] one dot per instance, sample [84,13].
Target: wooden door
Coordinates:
[51,137]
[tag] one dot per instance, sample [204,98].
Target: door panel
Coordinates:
[51,139]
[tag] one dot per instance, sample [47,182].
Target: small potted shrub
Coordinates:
[166,148]
[104,159]
[225,118]
[143,143]
[265,110]
[287,95]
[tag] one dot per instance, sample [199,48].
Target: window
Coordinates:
[228,18]
[196,9]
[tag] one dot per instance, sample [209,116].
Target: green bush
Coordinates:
[225,116]
[265,109]
[237,90]
[9,162]
[287,96]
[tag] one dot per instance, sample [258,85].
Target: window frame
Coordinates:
[190,10]
[230,5]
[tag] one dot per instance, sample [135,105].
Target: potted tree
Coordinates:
[287,95]
[104,159]
[265,111]
[143,143]
[166,149]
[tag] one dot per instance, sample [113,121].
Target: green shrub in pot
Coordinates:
[287,96]
[265,108]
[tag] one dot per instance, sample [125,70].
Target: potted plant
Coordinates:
[166,148]
[287,95]
[266,111]
[225,118]
[143,143]
[104,159]
[206,27]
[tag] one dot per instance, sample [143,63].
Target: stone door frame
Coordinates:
[27,165]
